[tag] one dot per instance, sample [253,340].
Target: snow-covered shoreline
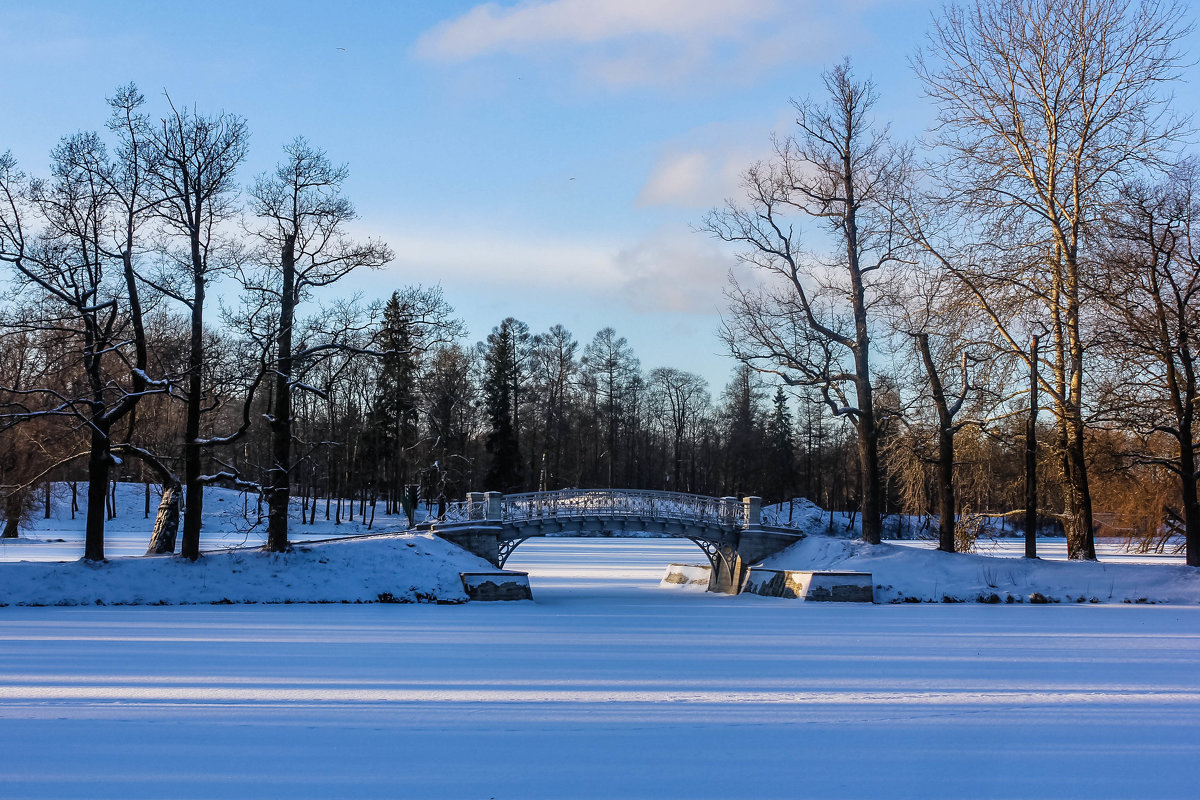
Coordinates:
[909,574]
[43,567]
[393,568]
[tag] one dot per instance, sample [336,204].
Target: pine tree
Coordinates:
[502,385]
[743,431]
[781,455]
[393,417]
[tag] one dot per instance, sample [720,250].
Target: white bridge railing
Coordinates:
[674,506]
[617,503]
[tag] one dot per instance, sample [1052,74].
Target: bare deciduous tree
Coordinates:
[680,397]
[1044,106]
[74,241]
[1153,291]
[192,160]
[812,324]
[304,246]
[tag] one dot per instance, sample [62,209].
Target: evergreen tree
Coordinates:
[393,418]
[449,396]
[502,386]
[743,431]
[781,455]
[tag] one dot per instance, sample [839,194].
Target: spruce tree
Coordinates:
[502,385]
[394,412]
[781,454]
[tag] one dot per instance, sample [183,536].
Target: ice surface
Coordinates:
[605,686]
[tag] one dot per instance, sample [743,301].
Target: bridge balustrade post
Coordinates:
[493,503]
[729,510]
[475,505]
[753,509]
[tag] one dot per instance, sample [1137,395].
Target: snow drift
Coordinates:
[908,574]
[398,568]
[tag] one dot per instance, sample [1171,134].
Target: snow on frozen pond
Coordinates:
[606,686]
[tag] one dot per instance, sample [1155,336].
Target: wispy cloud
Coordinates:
[493,259]
[703,167]
[675,270]
[694,178]
[631,42]
[670,269]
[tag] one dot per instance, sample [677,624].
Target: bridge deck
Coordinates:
[725,512]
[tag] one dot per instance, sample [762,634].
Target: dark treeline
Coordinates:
[1000,319]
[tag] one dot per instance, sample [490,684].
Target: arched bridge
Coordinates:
[728,530]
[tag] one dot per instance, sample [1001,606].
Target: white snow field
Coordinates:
[229,521]
[607,686]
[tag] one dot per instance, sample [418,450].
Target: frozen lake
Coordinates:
[606,686]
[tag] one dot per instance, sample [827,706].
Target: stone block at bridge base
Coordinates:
[481,540]
[844,587]
[499,585]
[697,575]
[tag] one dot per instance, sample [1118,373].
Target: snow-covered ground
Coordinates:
[922,574]
[393,568]
[229,521]
[606,686]
[396,567]
[913,570]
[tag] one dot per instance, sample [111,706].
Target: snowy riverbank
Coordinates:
[414,568]
[396,568]
[911,574]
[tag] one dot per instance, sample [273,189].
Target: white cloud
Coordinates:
[695,178]
[674,270]
[703,168]
[631,42]
[492,28]
[677,180]
[493,259]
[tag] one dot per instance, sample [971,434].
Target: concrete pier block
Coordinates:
[475,505]
[687,575]
[500,585]
[844,587]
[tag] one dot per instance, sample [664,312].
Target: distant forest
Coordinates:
[1001,318]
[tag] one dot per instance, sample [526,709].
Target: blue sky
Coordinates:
[545,160]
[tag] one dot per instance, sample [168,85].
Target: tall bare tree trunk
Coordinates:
[1081,540]
[99,465]
[945,471]
[279,478]
[194,508]
[1191,505]
[14,509]
[1031,511]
